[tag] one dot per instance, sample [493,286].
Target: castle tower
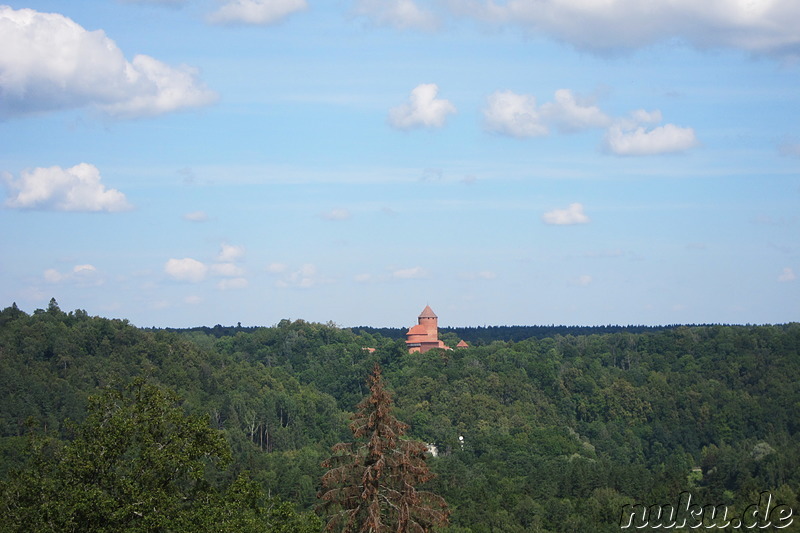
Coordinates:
[430,321]
[425,335]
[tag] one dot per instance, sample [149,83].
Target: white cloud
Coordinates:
[787,275]
[337,214]
[422,110]
[51,275]
[196,216]
[411,273]
[563,217]
[164,89]
[230,252]
[277,268]
[186,269]
[517,115]
[665,139]
[305,277]
[229,270]
[584,280]
[84,269]
[610,25]
[513,114]
[73,189]
[48,63]
[401,14]
[569,114]
[631,137]
[256,12]
[83,275]
[232,284]
[642,116]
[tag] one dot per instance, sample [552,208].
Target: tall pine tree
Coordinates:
[370,486]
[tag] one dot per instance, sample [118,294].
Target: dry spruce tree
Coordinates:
[370,486]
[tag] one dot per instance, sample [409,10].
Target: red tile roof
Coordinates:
[419,329]
[427,313]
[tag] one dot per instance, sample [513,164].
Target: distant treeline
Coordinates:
[475,335]
[479,335]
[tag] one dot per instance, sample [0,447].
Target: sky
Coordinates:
[183,163]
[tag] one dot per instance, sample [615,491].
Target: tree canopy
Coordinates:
[137,463]
[553,434]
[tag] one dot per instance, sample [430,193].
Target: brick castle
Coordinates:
[425,335]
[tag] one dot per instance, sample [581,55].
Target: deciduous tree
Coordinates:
[137,464]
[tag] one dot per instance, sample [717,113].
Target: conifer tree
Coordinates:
[370,486]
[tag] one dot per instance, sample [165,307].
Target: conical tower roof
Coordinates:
[427,313]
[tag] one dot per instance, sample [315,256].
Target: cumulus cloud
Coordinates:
[569,114]
[226,267]
[83,269]
[186,269]
[564,217]
[787,275]
[164,89]
[304,277]
[517,115]
[423,109]
[83,275]
[51,275]
[229,270]
[401,14]
[49,63]
[77,188]
[768,27]
[256,12]
[411,273]
[632,136]
[230,252]
[513,114]
[337,214]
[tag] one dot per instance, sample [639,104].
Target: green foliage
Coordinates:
[137,463]
[548,433]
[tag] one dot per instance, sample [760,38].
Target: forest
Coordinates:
[558,431]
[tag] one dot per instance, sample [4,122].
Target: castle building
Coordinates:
[425,335]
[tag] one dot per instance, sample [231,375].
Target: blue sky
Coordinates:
[194,162]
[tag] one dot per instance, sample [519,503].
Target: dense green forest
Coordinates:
[556,432]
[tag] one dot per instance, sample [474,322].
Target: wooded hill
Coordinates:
[553,433]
